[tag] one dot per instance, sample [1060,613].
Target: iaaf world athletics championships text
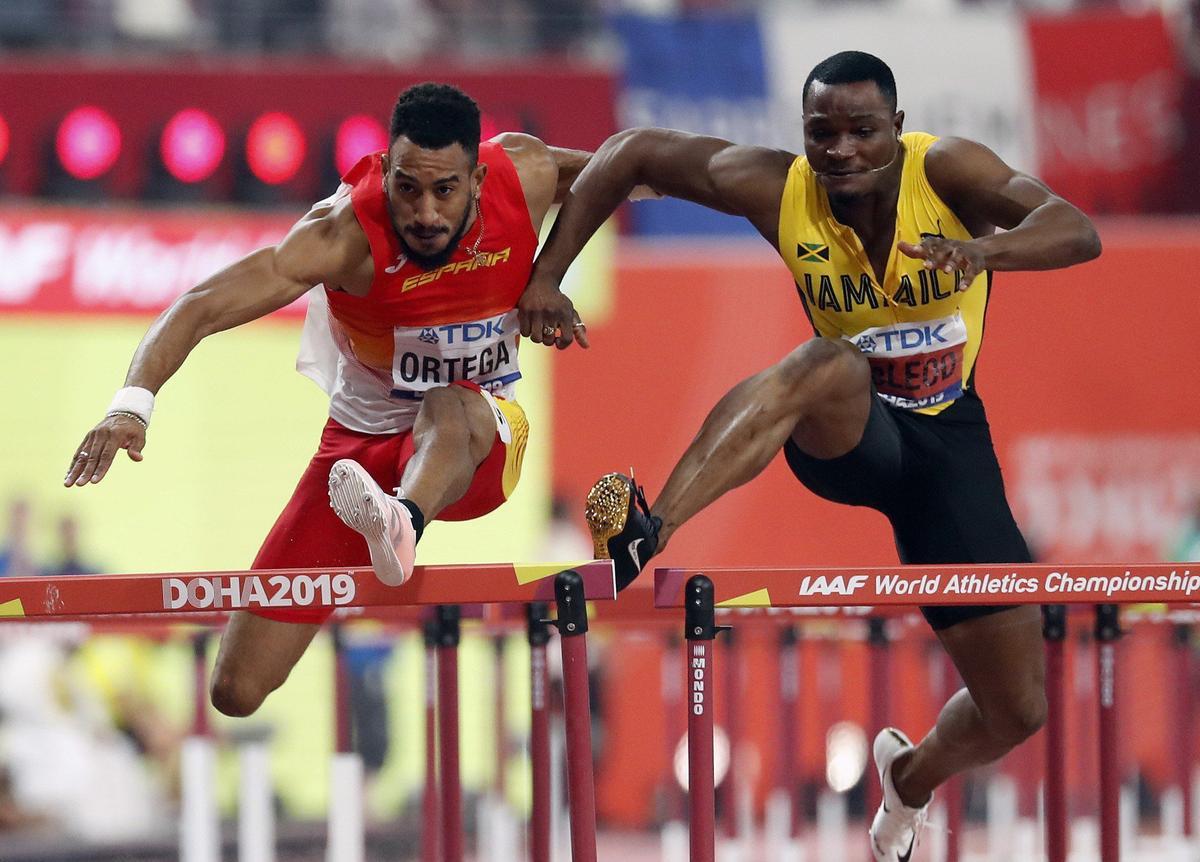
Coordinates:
[1176,582]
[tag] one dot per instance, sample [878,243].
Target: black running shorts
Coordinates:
[937,480]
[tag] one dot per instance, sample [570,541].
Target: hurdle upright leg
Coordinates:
[728,791]
[952,794]
[879,670]
[789,696]
[1054,787]
[256,815]
[447,619]
[539,732]
[430,836]
[1185,704]
[199,829]
[581,787]
[1107,631]
[700,629]
[345,842]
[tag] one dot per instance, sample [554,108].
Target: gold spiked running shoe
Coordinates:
[623,530]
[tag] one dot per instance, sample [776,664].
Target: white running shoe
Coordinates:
[896,827]
[383,521]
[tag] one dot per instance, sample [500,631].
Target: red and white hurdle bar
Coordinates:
[700,591]
[207,596]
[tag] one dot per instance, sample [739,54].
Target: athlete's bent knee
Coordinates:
[1018,719]
[829,365]
[442,398]
[234,696]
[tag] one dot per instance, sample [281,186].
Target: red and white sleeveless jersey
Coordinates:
[418,329]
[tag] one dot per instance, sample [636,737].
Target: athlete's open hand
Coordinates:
[548,316]
[95,454]
[947,255]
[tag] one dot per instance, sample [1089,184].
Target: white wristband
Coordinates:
[133,399]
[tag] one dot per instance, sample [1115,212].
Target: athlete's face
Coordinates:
[432,194]
[851,135]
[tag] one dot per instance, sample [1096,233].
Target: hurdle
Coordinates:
[699,592]
[205,596]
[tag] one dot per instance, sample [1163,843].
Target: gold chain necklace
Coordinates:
[480,257]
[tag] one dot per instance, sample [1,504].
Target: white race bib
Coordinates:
[917,364]
[482,351]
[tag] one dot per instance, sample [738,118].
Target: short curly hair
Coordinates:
[850,67]
[434,116]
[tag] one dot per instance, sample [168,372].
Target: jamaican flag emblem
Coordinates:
[812,252]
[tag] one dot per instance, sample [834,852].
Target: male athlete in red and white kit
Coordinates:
[423,254]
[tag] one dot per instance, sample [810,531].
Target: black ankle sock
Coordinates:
[418,517]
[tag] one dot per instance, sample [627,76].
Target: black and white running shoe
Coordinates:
[623,530]
[896,827]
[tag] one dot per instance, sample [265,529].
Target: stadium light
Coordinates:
[192,146]
[4,140]
[357,136]
[275,148]
[88,143]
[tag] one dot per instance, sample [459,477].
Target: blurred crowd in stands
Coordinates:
[401,30]
[17,557]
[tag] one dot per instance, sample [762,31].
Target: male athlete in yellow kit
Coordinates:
[892,240]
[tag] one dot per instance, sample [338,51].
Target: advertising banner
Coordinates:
[1104,496]
[671,81]
[126,261]
[1109,130]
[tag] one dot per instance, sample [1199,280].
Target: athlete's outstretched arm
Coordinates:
[253,287]
[1041,230]
[745,181]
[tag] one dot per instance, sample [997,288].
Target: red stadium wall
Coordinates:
[571,106]
[1095,353]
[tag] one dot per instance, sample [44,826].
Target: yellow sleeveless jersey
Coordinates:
[919,333]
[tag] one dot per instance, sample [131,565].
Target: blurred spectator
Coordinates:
[120,672]
[16,558]
[70,560]
[12,814]
[28,23]
[166,22]
[562,25]
[268,25]
[67,761]
[393,30]
[367,649]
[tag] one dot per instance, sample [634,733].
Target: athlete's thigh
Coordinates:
[259,653]
[959,512]
[870,474]
[966,512]
[497,474]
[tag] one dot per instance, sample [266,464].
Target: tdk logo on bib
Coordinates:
[468,333]
[906,338]
[482,351]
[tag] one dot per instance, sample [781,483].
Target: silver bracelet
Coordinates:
[130,414]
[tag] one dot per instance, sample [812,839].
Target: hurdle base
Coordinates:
[346,820]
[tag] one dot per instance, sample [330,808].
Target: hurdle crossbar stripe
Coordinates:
[983,584]
[288,589]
